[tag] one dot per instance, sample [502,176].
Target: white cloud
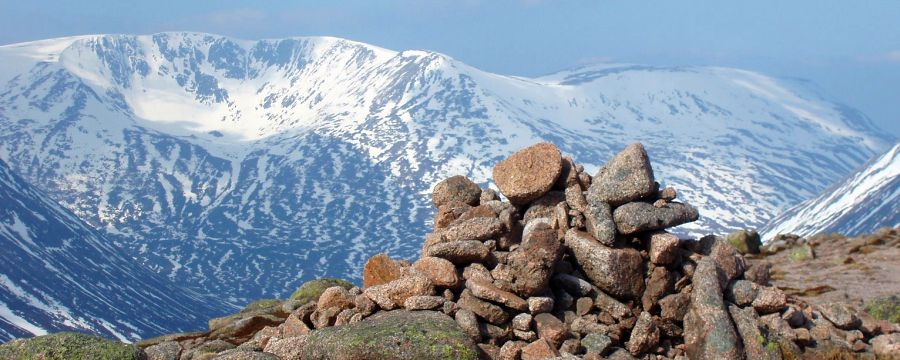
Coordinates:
[893,56]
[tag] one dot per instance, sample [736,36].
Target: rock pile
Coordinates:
[572,265]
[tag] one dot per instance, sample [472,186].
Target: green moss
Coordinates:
[65,346]
[311,290]
[262,305]
[395,335]
[884,308]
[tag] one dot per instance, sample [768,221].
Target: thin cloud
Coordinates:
[236,16]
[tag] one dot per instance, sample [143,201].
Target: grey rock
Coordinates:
[708,330]
[840,315]
[616,271]
[596,342]
[456,188]
[626,177]
[635,217]
[598,219]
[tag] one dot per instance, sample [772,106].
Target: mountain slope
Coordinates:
[58,274]
[861,203]
[222,163]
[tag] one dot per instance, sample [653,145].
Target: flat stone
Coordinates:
[550,328]
[840,315]
[635,217]
[618,272]
[644,336]
[528,173]
[456,188]
[487,291]
[708,330]
[598,219]
[490,312]
[441,272]
[540,349]
[533,261]
[460,252]
[380,269]
[663,248]
[393,294]
[476,228]
[424,302]
[628,176]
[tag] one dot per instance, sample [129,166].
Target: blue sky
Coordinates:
[851,49]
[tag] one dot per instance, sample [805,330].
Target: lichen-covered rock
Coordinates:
[639,216]
[392,335]
[68,345]
[380,269]
[167,350]
[476,228]
[596,342]
[311,290]
[491,312]
[393,294]
[626,177]
[840,315]
[440,271]
[487,291]
[456,188]
[615,271]
[598,220]
[528,173]
[745,241]
[708,331]
[460,252]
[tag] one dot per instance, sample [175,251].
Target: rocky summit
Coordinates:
[572,266]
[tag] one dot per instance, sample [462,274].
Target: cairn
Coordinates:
[580,266]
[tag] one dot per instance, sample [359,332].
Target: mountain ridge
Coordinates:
[350,131]
[58,274]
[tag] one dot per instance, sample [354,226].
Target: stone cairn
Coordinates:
[580,266]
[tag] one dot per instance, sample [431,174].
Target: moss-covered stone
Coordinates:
[264,304]
[802,253]
[745,241]
[884,308]
[69,346]
[311,290]
[393,335]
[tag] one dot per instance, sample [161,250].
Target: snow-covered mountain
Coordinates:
[245,167]
[58,274]
[861,203]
